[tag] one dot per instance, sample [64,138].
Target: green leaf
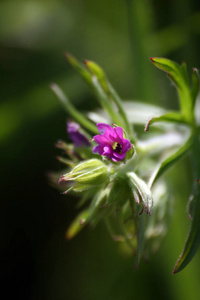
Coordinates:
[111,93]
[73,112]
[195,85]
[143,191]
[105,102]
[168,117]
[183,69]
[139,113]
[97,71]
[80,68]
[65,161]
[76,225]
[193,240]
[169,161]
[121,110]
[179,76]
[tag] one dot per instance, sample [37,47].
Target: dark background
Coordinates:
[36,261]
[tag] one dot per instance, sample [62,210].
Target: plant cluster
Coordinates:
[116,171]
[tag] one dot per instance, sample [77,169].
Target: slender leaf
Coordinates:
[80,68]
[193,240]
[121,110]
[76,225]
[137,113]
[65,161]
[168,117]
[169,161]
[195,85]
[97,71]
[178,75]
[183,70]
[143,191]
[73,112]
[111,93]
[105,102]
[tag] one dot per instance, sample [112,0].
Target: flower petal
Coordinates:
[77,138]
[119,132]
[98,149]
[104,129]
[119,156]
[126,145]
[107,150]
[102,140]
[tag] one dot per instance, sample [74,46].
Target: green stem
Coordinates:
[75,114]
[105,102]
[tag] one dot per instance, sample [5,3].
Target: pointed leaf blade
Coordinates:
[73,112]
[80,68]
[169,161]
[178,75]
[195,85]
[143,191]
[193,240]
[175,117]
[111,93]
[77,225]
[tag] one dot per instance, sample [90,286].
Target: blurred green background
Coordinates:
[36,260]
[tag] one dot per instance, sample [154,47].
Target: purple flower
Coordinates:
[77,138]
[111,142]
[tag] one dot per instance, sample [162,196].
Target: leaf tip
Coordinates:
[52,85]
[67,55]
[147,125]
[195,72]
[70,58]
[176,268]
[87,64]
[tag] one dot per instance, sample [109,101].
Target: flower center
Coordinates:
[117,147]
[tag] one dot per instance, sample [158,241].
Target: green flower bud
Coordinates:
[87,174]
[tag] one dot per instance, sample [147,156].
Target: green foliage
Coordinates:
[143,191]
[77,225]
[170,161]
[193,240]
[121,190]
[178,75]
[74,113]
[187,97]
[31,119]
